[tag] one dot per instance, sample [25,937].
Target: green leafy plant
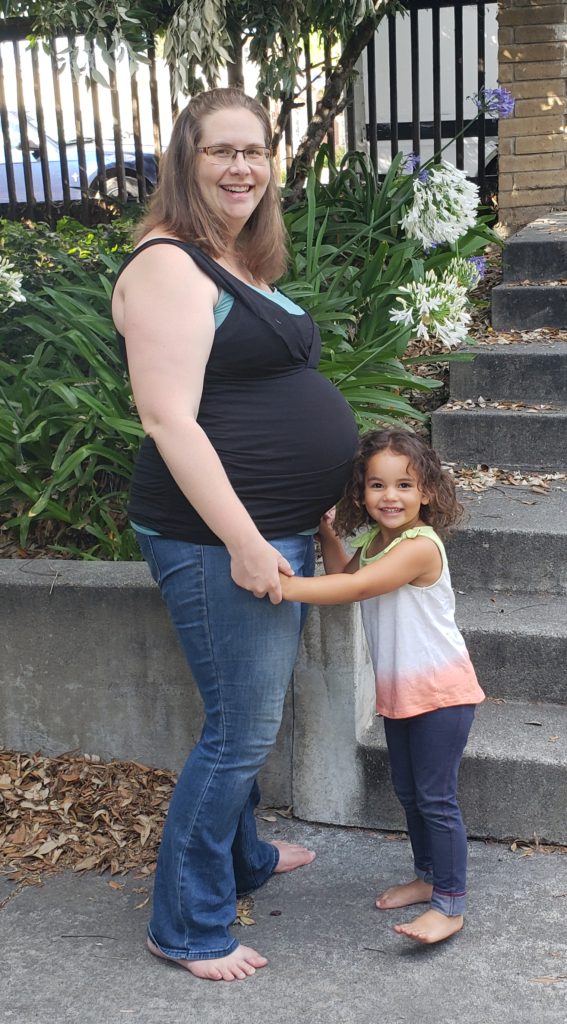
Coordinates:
[67,429]
[37,253]
[349,258]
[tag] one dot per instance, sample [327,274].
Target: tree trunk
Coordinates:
[329,105]
[235,69]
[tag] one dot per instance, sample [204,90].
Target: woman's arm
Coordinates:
[164,308]
[415,560]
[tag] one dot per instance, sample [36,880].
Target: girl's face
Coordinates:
[232,190]
[392,492]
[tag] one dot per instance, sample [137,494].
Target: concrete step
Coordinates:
[509,438]
[524,307]
[534,372]
[511,540]
[513,777]
[518,643]
[538,251]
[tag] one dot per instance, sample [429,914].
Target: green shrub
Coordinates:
[349,259]
[37,253]
[68,430]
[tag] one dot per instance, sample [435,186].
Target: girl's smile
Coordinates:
[392,493]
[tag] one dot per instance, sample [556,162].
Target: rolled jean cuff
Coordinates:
[424,876]
[449,903]
[193,954]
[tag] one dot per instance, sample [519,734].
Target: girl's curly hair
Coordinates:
[443,510]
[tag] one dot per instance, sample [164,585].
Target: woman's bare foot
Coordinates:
[431,927]
[405,895]
[236,966]
[292,856]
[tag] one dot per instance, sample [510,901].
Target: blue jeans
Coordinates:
[425,754]
[241,651]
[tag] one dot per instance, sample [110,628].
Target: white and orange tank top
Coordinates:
[420,659]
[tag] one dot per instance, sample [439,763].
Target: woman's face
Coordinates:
[233,190]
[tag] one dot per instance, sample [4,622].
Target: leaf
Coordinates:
[549,979]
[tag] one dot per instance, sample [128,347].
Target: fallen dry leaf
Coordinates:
[77,812]
[479,478]
[550,979]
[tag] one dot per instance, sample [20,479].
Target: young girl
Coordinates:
[426,686]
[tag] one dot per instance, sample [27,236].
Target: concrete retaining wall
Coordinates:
[89,661]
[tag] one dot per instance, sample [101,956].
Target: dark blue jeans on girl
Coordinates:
[425,754]
[241,651]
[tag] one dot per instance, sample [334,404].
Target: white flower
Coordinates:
[10,285]
[467,273]
[443,207]
[435,307]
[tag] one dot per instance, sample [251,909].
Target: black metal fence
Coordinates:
[66,146]
[433,56]
[82,155]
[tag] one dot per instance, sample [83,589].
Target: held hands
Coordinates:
[259,568]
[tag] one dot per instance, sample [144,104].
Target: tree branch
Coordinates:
[328,106]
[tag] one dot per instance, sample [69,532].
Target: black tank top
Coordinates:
[284,434]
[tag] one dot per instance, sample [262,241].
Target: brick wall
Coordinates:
[533,143]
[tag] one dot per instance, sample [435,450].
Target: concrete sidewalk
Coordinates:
[72,951]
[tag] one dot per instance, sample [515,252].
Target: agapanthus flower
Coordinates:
[444,207]
[413,162]
[467,271]
[10,285]
[480,263]
[495,102]
[435,307]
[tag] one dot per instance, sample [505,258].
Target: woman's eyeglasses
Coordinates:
[227,154]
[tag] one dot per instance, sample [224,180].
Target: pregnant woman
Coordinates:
[246,446]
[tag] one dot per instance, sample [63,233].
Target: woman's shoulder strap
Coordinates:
[147,245]
[221,277]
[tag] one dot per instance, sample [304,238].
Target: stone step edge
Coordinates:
[557,408]
[516,615]
[540,284]
[544,743]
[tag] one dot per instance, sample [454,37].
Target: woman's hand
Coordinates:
[257,568]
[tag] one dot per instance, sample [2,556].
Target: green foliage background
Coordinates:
[68,429]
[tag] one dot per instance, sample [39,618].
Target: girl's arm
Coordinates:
[415,560]
[163,305]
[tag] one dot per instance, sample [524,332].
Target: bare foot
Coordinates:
[431,927]
[236,966]
[292,856]
[405,895]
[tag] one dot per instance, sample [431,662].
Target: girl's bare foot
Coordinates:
[431,927]
[236,966]
[292,856]
[405,895]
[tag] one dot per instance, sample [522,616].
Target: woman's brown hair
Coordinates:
[178,207]
[443,509]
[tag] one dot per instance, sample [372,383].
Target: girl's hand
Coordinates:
[257,568]
[326,527]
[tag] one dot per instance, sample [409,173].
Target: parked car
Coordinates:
[54,161]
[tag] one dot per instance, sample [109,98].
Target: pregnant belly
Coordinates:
[285,443]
